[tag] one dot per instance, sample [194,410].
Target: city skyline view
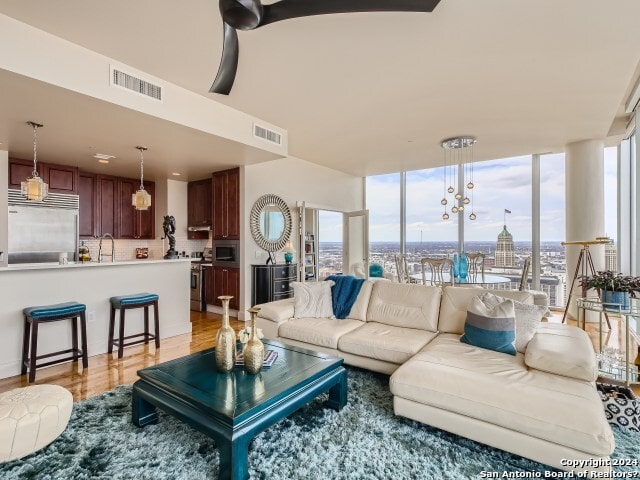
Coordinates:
[491,179]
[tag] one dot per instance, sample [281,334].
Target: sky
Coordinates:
[499,185]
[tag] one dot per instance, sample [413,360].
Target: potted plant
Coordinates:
[615,288]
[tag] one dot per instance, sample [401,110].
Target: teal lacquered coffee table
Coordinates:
[234,407]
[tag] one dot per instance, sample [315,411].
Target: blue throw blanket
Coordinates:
[344,293]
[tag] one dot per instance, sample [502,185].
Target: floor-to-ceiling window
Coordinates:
[553,264]
[427,234]
[502,197]
[502,205]
[383,202]
[329,243]
[611,207]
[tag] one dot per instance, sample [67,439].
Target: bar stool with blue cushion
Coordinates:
[127,302]
[34,316]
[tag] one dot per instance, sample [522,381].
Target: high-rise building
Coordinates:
[505,252]
[611,257]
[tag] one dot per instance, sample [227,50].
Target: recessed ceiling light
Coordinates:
[103,156]
[102,160]
[176,174]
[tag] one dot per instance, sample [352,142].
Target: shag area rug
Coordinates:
[363,441]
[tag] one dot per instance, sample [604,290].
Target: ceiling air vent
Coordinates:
[135,84]
[266,134]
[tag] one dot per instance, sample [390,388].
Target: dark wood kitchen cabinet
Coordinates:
[132,223]
[88,195]
[207,278]
[59,178]
[220,281]
[107,204]
[226,204]
[226,281]
[199,207]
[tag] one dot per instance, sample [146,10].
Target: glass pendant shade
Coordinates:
[454,210]
[466,201]
[443,201]
[34,189]
[450,189]
[472,216]
[141,199]
[445,216]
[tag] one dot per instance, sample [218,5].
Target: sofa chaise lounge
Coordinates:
[542,404]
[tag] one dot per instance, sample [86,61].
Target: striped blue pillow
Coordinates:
[491,326]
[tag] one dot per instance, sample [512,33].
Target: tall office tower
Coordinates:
[611,257]
[505,253]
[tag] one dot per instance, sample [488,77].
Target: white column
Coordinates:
[584,205]
[4,213]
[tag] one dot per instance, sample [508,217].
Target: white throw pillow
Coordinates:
[528,318]
[312,300]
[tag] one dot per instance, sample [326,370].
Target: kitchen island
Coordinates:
[92,284]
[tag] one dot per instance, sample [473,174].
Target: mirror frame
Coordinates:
[254,223]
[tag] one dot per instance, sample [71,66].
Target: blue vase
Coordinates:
[456,266]
[615,301]
[464,266]
[288,257]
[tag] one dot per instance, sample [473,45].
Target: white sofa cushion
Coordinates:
[359,307]
[491,325]
[324,332]
[385,342]
[563,350]
[499,389]
[405,305]
[528,318]
[453,308]
[312,300]
[277,311]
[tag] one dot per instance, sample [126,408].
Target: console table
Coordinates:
[272,282]
[629,373]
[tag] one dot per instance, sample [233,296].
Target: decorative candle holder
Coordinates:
[254,349]
[225,340]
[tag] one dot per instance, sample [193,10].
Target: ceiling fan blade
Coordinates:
[285,9]
[229,62]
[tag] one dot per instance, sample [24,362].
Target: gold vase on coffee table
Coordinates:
[254,349]
[225,340]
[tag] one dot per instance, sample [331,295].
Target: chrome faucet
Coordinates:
[113,248]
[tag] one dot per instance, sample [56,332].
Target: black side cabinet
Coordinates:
[272,282]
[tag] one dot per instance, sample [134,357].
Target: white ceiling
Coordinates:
[372,93]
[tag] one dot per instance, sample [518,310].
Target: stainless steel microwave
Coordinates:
[226,252]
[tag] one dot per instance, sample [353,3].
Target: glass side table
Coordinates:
[611,363]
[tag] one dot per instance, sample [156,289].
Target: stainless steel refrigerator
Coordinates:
[41,231]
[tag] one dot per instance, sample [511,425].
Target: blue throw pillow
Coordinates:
[375,270]
[491,326]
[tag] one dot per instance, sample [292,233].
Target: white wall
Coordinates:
[293,180]
[87,72]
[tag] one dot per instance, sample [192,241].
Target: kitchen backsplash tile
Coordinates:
[126,249]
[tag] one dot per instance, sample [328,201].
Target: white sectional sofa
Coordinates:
[542,405]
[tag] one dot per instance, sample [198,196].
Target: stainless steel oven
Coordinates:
[197,290]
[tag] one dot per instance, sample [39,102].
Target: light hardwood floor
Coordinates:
[105,371]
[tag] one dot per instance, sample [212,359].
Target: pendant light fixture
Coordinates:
[458,160]
[34,188]
[141,199]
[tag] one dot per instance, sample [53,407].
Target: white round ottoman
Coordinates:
[31,418]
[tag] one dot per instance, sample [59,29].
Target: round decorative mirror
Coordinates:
[270,223]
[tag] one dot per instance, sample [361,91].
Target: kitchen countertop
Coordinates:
[54,265]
